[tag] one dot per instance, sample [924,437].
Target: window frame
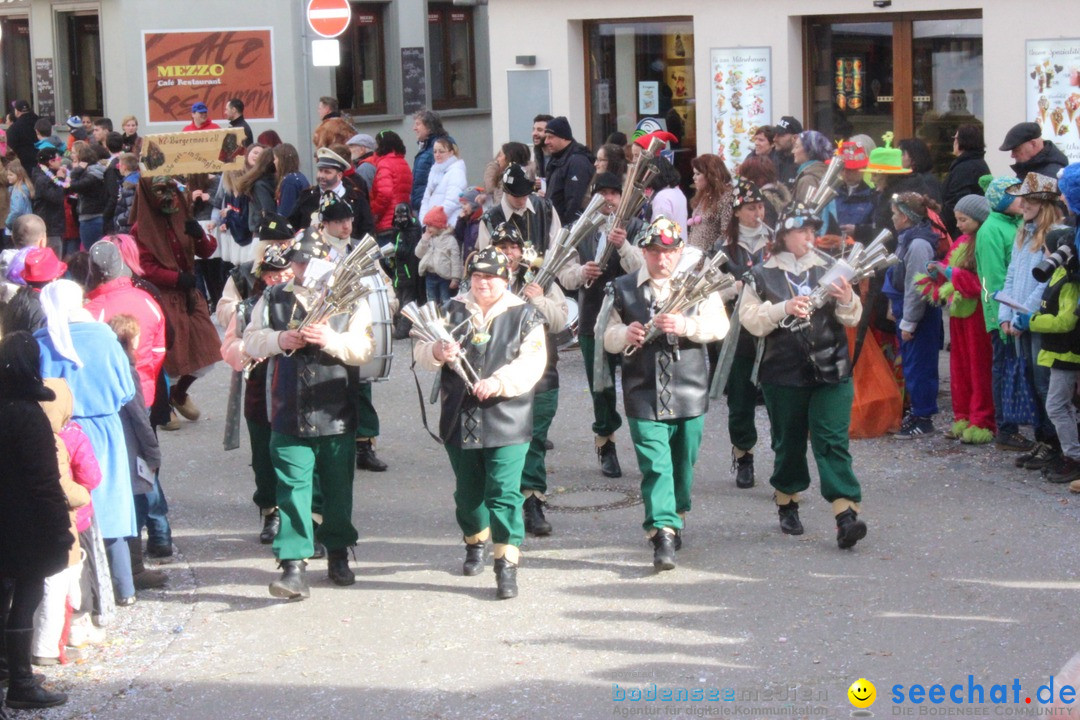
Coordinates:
[351,36]
[443,11]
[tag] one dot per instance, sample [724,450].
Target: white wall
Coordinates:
[551,30]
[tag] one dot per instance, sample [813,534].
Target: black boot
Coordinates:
[474,558]
[609,460]
[292,585]
[744,470]
[505,579]
[535,522]
[337,567]
[663,550]
[849,529]
[24,691]
[271,525]
[144,579]
[789,519]
[366,458]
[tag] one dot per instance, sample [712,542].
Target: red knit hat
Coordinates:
[436,218]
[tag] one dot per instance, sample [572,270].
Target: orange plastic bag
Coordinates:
[878,405]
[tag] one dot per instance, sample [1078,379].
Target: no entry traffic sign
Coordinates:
[328,18]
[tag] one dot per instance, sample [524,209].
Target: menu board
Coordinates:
[741,99]
[1052,76]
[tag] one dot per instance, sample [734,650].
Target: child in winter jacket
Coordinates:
[440,256]
[129,168]
[468,224]
[79,474]
[957,283]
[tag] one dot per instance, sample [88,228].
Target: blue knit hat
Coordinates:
[997,197]
[1069,184]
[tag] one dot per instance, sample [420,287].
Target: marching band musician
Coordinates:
[312,380]
[805,374]
[251,280]
[532,216]
[336,220]
[551,305]
[606,418]
[665,382]
[487,430]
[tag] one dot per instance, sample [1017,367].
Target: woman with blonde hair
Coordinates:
[21,194]
[258,183]
[446,182]
[1038,203]
[130,140]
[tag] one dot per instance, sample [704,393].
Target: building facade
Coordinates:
[154,58]
[714,71]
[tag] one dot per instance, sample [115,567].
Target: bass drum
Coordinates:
[382,326]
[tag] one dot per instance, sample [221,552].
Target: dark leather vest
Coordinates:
[535,227]
[591,298]
[740,263]
[657,383]
[243,277]
[813,355]
[550,379]
[311,393]
[467,423]
[1059,343]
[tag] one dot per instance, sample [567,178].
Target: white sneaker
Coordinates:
[84,632]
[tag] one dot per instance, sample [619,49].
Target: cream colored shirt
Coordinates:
[354,346]
[709,323]
[630,260]
[760,317]
[516,377]
[483,238]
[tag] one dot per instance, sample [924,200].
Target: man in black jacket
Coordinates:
[234,113]
[50,184]
[21,136]
[569,170]
[1031,153]
[329,176]
[114,143]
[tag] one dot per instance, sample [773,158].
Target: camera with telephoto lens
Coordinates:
[1063,256]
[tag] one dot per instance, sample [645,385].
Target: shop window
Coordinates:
[916,74]
[361,76]
[84,64]
[15,60]
[642,71]
[452,55]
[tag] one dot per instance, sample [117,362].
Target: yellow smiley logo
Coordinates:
[862,693]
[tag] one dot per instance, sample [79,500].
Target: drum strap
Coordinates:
[423,409]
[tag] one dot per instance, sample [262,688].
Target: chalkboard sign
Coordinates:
[45,83]
[413,80]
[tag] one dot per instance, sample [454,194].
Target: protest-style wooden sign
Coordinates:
[183,153]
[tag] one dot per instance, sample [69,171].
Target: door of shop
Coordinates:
[916,74]
[15,60]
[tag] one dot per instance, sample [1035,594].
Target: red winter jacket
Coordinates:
[120,296]
[392,185]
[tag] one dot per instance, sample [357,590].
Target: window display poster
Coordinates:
[1052,75]
[741,99]
[210,66]
[648,93]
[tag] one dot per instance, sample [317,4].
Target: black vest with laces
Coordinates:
[591,298]
[312,394]
[534,226]
[814,355]
[657,383]
[467,423]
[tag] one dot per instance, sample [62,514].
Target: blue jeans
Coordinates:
[920,358]
[1004,353]
[116,549]
[152,511]
[438,288]
[1039,378]
[90,231]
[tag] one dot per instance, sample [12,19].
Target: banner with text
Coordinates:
[202,151]
[210,66]
[741,99]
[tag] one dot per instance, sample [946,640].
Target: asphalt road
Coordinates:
[970,567]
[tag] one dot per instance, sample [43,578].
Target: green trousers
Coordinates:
[666,452]
[367,420]
[742,400]
[488,493]
[824,413]
[606,418]
[296,461]
[265,496]
[534,475]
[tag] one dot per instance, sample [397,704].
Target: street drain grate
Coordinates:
[594,494]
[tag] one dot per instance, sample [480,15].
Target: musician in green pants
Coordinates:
[665,381]
[551,304]
[312,376]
